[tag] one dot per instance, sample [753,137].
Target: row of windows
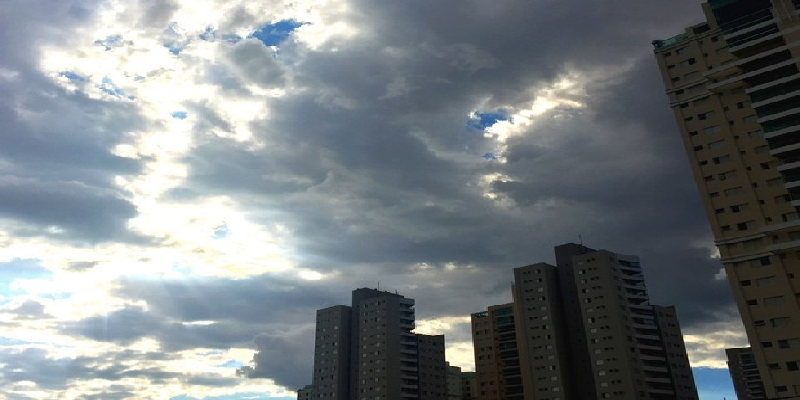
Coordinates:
[765,281]
[784,343]
[777,322]
[767,301]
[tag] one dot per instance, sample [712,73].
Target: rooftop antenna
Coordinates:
[580,239]
[379,285]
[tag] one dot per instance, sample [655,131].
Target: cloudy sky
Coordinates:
[184,182]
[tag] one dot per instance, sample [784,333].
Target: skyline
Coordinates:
[183,183]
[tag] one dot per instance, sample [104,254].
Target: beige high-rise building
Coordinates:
[734,85]
[497,360]
[581,330]
[542,333]
[622,346]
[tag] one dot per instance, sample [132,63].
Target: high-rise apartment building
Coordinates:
[497,361]
[582,330]
[744,374]
[734,85]
[542,331]
[367,351]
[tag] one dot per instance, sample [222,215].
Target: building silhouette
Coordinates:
[744,374]
[367,351]
[581,330]
[734,86]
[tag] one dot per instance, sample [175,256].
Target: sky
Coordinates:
[184,182]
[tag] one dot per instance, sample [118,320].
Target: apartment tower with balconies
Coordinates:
[733,83]
[583,329]
[368,351]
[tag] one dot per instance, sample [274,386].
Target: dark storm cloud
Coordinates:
[56,373]
[613,171]
[118,327]
[55,145]
[80,210]
[355,173]
[281,358]
[253,300]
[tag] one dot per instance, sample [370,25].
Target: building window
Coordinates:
[706,115]
[780,322]
[766,281]
[727,175]
[743,226]
[773,301]
[721,159]
[733,191]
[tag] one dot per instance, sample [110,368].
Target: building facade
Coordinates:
[368,351]
[744,374]
[469,386]
[583,330]
[497,364]
[734,86]
[306,393]
[455,384]
[542,332]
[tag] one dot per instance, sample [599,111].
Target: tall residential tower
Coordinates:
[581,330]
[734,86]
[367,351]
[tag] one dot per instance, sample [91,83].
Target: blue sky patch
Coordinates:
[108,87]
[12,342]
[175,47]
[481,121]
[179,115]
[20,269]
[221,231]
[713,383]
[72,76]
[275,33]
[232,364]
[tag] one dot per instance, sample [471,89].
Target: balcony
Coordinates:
[789,166]
[782,130]
[781,247]
[655,368]
[754,36]
[779,115]
[746,24]
[730,82]
[777,97]
[784,149]
[647,336]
